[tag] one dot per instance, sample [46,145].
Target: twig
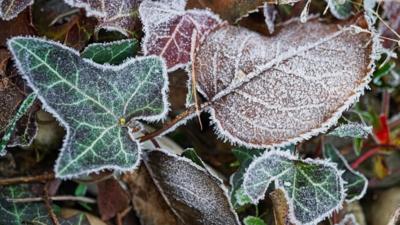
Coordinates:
[54,198]
[373,151]
[181,117]
[121,215]
[46,200]
[28,179]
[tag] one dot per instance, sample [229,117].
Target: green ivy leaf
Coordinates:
[356,184]
[23,108]
[20,213]
[341,9]
[354,130]
[245,157]
[252,220]
[191,154]
[111,52]
[93,102]
[313,188]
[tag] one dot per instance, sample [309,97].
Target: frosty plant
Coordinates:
[261,92]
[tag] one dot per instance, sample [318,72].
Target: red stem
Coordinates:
[364,157]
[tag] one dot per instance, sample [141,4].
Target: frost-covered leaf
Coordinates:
[194,195]
[169,29]
[391,11]
[245,157]
[275,91]
[341,9]
[191,154]
[10,128]
[10,9]
[354,130]
[92,101]
[356,183]
[349,219]
[252,220]
[113,15]
[269,12]
[313,188]
[21,213]
[112,52]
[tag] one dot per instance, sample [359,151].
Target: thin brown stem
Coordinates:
[47,203]
[179,118]
[121,215]
[54,198]
[28,179]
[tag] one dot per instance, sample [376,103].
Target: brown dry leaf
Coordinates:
[284,89]
[112,198]
[234,10]
[147,201]
[281,208]
[392,27]
[18,26]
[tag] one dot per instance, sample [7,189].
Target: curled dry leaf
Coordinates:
[118,15]
[194,195]
[274,91]
[169,29]
[112,198]
[9,9]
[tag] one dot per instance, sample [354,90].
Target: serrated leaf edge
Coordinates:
[49,109]
[376,49]
[216,178]
[291,157]
[87,7]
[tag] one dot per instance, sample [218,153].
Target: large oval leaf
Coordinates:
[283,89]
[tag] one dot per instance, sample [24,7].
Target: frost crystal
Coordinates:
[194,194]
[91,100]
[274,91]
[315,190]
[10,9]
[355,130]
[169,29]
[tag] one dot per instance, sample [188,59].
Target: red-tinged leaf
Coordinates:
[392,13]
[169,30]
[18,26]
[380,168]
[111,199]
[382,131]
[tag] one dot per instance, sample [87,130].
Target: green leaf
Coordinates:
[20,213]
[23,108]
[341,9]
[382,71]
[354,130]
[191,154]
[313,188]
[93,101]
[245,157]
[112,52]
[252,220]
[355,183]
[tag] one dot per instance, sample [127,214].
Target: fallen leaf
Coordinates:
[169,30]
[18,26]
[341,9]
[194,195]
[391,11]
[270,13]
[349,219]
[313,188]
[280,90]
[98,101]
[9,9]
[112,198]
[113,15]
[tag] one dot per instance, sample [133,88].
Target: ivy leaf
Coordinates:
[313,188]
[191,154]
[245,157]
[262,96]
[92,102]
[113,15]
[169,29]
[111,52]
[355,183]
[194,195]
[9,9]
[354,130]
[16,213]
[10,129]
[252,220]
[341,9]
